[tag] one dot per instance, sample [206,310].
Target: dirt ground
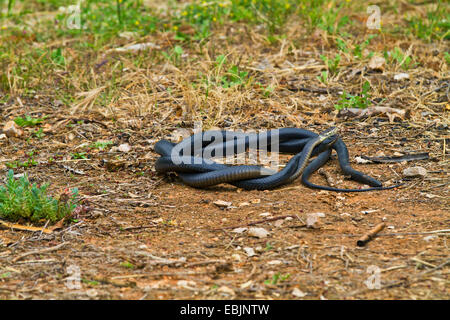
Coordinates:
[148,236]
[141,235]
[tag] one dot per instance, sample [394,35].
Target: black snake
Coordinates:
[187,158]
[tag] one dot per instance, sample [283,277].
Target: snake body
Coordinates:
[186,158]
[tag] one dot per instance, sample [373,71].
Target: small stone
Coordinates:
[361,160]
[274,262]
[222,204]
[278,223]
[124,148]
[58,103]
[401,76]
[249,251]
[226,290]
[298,293]
[187,284]
[313,218]
[246,284]
[236,257]
[369,211]
[258,232]
[239,230]
[70,136]
[243,204]
[265,214]
[428,238]
[255,201]
[12,130]
[377,63]
[415,172]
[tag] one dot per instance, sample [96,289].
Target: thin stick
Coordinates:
[25,228]
[39,251]
[370,235]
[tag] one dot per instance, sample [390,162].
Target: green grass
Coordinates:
[435,24]
[21,200]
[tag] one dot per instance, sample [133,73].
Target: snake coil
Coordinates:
[191,159]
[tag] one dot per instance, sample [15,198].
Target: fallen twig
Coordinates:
[39,251]
[25,228]
[370,235]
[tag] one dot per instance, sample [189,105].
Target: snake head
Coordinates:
[330,132]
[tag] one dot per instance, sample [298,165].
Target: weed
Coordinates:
[399,58]
[90,282]
[57,57]
[101,145]
[436,24]
[19,199]
[359,48]
[127,264]
[39,134]
[277,277]
[447,57]
[28,121]
[79,155]
[350,101]
[175,55]
[25,164]
[332,67]
[233,77]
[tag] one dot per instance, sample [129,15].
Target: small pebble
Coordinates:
[415,172]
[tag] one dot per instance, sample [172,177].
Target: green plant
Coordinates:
[25,164]
[399,58]
[39,134]
[319,13]
[233,77]
[447,57]
[119,10]
[10,6]
[127,264]
[101,145]
[79,155]
[57,57]
[277,277]
[332,64]
[175,54]
[19,199]
[350,101]
[359,48]
[332,67]
[435,25]
[28,121]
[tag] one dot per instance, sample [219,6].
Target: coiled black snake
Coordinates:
[191,159]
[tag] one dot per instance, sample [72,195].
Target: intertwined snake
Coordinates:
[186,158]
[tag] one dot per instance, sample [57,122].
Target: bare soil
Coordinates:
[146,236]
